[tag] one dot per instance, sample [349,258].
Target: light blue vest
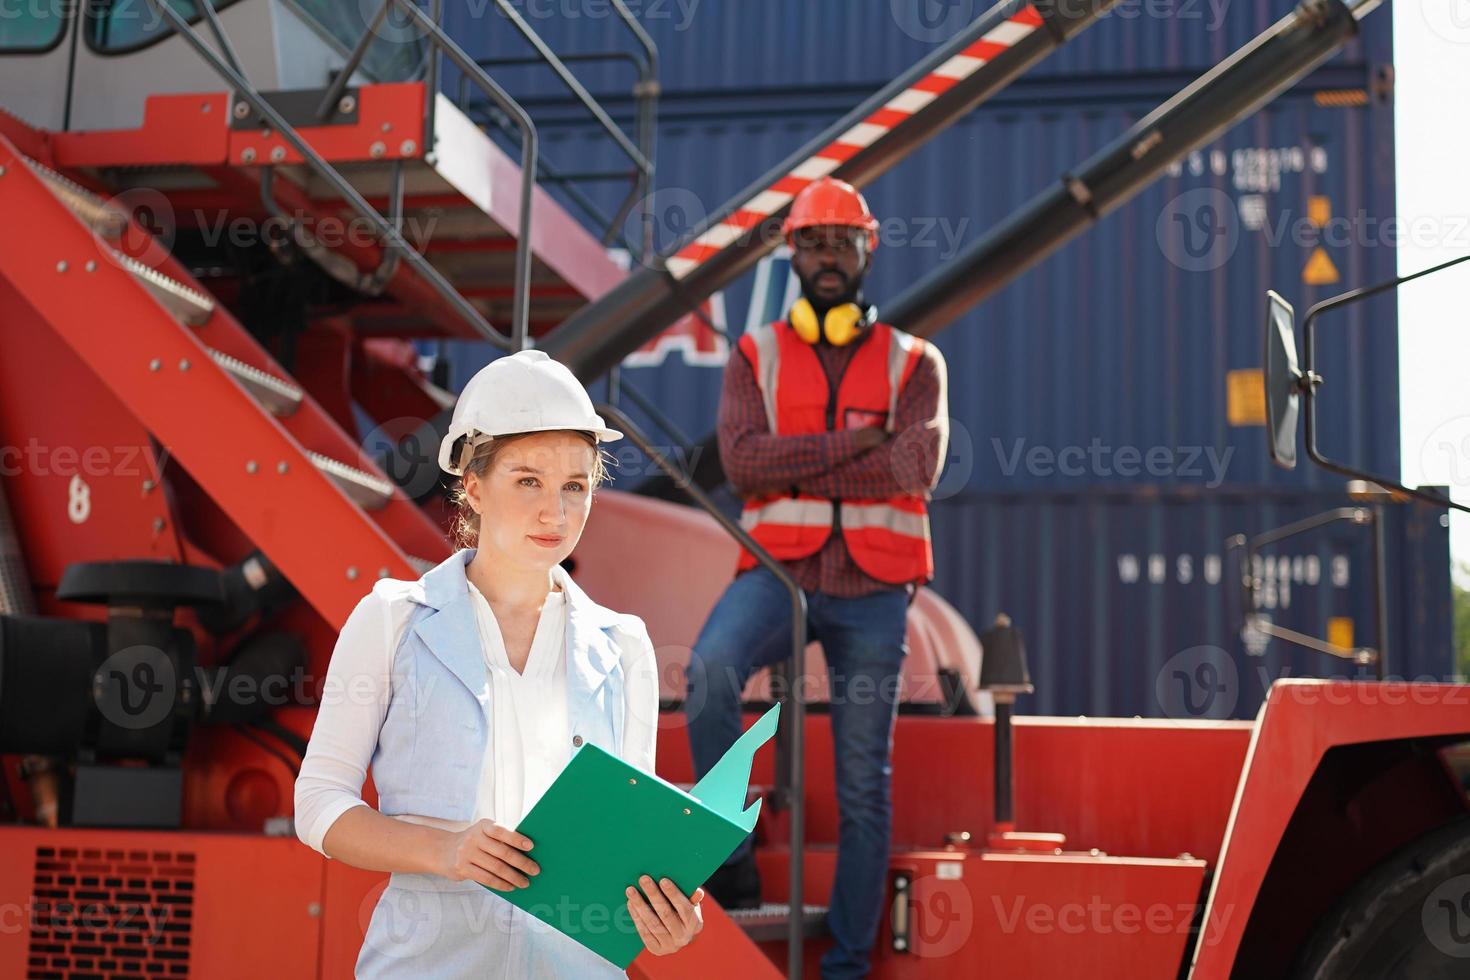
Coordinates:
[437,728]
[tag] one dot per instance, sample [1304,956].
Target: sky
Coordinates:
[1432,70]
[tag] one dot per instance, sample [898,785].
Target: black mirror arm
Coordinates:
[1311,379]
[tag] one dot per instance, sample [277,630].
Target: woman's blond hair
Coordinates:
[465,530]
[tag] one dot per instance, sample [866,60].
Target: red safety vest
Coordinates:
[888,537]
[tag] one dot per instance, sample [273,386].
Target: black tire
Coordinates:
[1407,919]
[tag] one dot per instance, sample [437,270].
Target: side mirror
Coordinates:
[1286,384]
[1283,380]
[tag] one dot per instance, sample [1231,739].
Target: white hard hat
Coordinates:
[523,392]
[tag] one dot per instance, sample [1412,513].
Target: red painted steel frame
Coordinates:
[254,908]
[1078,777]
[194,130]
[1301,721]
[211,425]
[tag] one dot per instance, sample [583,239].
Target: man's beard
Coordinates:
[849,293]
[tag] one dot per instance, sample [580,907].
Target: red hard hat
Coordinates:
[830,201]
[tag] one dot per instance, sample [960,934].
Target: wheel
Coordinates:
[1408,917]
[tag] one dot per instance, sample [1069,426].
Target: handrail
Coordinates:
[521,292]
[645,96]
[349,194]
[549,174]
[795,715]
[574,86]
[524,61]
[217,29]
[520,315]
[1251,544]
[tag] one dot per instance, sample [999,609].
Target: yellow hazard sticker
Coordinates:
[1319,270]
[1245,397]
[1319,210]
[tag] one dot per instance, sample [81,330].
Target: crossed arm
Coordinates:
[836,464]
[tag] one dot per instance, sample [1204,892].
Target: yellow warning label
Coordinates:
[1340,632]
[1319,210]
[1319,270]
[1245,397]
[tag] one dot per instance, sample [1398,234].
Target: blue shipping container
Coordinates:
[1130,604]
[1121,346]
[774,46]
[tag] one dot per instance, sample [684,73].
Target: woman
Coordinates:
[468,690]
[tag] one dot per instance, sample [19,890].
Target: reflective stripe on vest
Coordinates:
[883,517]
[804,511]
[887,538]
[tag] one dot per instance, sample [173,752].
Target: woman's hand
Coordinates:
[666,920]
[490,854]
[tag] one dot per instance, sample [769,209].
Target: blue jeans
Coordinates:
[863,640]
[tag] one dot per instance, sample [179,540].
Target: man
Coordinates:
[833,428]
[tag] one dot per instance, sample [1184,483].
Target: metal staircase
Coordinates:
[274,460]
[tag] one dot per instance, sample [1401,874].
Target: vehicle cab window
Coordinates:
[31,28]
[119,26]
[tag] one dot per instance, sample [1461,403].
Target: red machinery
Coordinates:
[187,512]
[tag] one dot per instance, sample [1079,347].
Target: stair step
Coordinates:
[279,397]
[769,922]
[187,305]
[103,218]
[366,490]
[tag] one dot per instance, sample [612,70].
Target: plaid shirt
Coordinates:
[830,464]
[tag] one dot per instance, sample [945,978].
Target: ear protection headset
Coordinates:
[842,324]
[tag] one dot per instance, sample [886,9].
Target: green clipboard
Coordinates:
[604,823]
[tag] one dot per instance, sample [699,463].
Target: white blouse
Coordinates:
[529,741]
[531,737]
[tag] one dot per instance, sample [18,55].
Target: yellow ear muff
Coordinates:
[803,320]
[843,323]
